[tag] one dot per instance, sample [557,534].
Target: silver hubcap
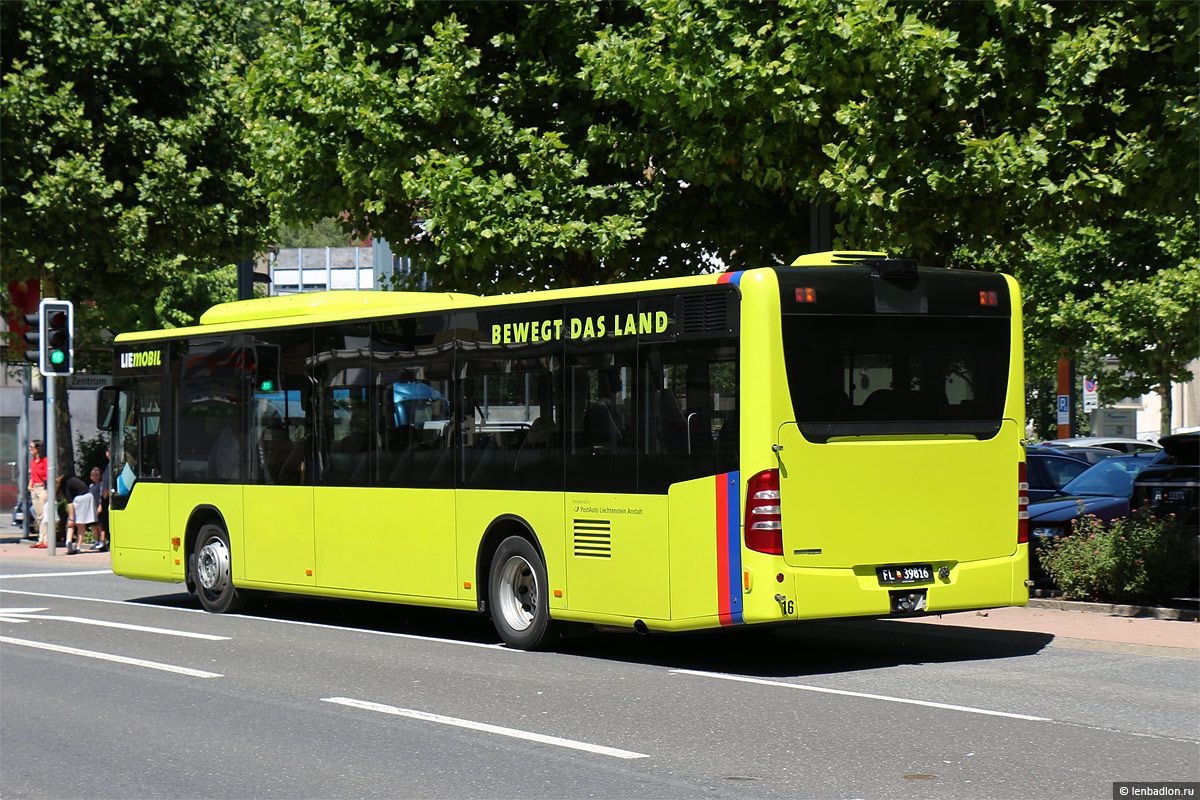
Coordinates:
[518,595]
[212,566]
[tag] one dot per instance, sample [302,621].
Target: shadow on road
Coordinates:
[805,648]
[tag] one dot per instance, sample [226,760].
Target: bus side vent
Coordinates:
[593,538]
[701,313]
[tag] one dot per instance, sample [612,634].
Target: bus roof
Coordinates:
[348,304]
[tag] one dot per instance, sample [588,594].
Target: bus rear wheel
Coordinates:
[212,571]
[517,595]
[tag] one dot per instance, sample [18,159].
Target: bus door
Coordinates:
[278,492]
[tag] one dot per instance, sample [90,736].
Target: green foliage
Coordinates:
[1127,290]
[90,453]
[327,232]
[458,131]
[125,179]
[1139,558]
[516,145]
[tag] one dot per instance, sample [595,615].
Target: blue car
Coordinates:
[1102,490]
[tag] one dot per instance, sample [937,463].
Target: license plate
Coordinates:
[912,573]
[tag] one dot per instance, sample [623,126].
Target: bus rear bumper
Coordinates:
[989,583]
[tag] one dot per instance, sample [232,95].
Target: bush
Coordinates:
[90,454]
[1136,559]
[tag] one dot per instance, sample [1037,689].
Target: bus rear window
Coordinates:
[896,375]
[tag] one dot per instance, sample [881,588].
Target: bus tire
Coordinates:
[212,571]
[518,598]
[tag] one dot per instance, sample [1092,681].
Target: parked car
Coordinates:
[1091,455]
[1102,490]
[1171,485]
[1047,470]
[1120,443]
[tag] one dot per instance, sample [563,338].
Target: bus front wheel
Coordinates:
[517,595]
[212,571]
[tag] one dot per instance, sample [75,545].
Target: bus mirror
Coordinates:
[106,408]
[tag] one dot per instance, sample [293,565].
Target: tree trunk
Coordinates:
[1164,396]
[62,433]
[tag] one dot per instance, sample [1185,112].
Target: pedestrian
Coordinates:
[80,506]
[37,489]
[102,512]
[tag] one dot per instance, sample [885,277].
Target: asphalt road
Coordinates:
[120,689]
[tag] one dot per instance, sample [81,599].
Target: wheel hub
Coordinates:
[518,593]
[212,566]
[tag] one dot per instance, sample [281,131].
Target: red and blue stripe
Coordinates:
[730,277]
[729,548]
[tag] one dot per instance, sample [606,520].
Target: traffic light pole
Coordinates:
[51,466]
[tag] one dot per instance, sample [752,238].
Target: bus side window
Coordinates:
[280,402]
[345,428]
[137,445]
[411,366]
[690,402]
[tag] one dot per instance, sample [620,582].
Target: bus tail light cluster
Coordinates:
[1022,505]
[764,525]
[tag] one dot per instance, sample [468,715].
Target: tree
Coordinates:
[457,131]
[1127,291]
[124,180]
[549,144]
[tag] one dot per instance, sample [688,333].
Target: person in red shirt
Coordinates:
[37,489]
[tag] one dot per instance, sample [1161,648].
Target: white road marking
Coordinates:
[486,728]
[136,662]
[15,615]
[56,574]
[411,636]
[821,689]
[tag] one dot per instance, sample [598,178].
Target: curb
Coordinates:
[1180,614]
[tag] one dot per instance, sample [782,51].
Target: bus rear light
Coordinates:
[764,525]
[806,294]
[1022,505]
[989,298]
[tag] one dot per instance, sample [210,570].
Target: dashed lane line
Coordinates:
[514,733]
[846,693]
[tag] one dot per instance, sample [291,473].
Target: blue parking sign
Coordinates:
[1064,409]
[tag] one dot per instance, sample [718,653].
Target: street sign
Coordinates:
[79,380]
[1064,409]
[1091,395]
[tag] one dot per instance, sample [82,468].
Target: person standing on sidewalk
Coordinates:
[102,507]
[85,509]
[37,489]
[75,492]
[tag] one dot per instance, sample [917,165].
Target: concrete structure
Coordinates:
[316,269]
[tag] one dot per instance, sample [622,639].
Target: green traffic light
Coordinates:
[57,357]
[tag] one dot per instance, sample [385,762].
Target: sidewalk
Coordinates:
[1080,621]
[13,548]
[1095,624]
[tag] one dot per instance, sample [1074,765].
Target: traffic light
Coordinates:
[33,322]
[55,329]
